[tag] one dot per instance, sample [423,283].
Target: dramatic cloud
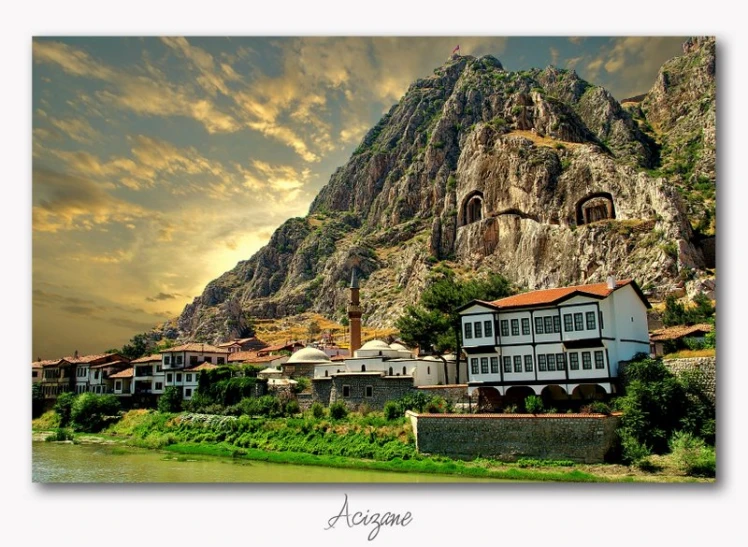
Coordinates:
[162,296]
[66,202]
[147,92]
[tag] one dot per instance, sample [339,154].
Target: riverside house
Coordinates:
[181,362]
[560,343]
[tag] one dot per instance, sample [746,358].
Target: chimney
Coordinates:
[75,355]
[611,282]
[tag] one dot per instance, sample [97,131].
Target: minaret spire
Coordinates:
[354,314]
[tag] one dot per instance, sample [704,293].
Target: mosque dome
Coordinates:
[309,356]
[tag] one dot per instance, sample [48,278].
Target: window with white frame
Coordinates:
[346,391]
[561,361]
[478,329]
[574,361]
[578,321]
[487,328]
[556,323]
[474,365]
[541,363]
[515,327]
[528,363]
[507,364]
[586,360]
[551,359]
[599,360]
[568,322]
[525,326]
[369,392]
[591,320]
[517,363]
[504,327]
[548,324]
[538,325]
[468,330]
[494,365]
[484,365]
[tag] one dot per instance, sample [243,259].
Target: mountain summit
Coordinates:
[536,174]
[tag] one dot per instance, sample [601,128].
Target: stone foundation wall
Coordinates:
[583,438]
[384,388]
[704,368]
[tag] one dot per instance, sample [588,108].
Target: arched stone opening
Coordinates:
[489,400]
[516,395]
[554,396]
[595,207]
[472,208]
[589,392]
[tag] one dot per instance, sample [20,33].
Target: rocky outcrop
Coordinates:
[536,174]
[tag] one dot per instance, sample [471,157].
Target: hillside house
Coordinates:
[562,343]
[90,375]
[670,339]
[243,344]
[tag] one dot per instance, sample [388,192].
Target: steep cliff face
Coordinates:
[536,174]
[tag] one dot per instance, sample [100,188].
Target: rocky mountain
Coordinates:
[537,174]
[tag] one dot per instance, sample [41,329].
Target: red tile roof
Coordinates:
[147,358]
[552,296]
[49,363]
[278,347]
[242,356]
[195,346]
[679,331]
[201,366]
[110,364]
[83,359]
[127,373]
[233,358]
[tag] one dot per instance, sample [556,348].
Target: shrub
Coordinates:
[291,407]
[302,384]
[60,434]
[91,412]
[64,406]
[338,410]
[533,404]
[392,410]
[633,451]
[692,455]
[318,410]
[170,400]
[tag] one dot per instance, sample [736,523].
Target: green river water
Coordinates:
[103,463]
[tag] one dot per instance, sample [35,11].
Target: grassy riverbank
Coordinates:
[367,442]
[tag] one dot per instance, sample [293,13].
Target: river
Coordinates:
[100,463]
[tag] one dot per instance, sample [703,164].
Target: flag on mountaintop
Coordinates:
[456,50]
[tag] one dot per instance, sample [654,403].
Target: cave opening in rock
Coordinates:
[595,207]
[472,210]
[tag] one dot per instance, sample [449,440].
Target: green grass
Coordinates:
[425,465]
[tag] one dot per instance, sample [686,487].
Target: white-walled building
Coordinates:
[391,360]
[568,340]
[148,375]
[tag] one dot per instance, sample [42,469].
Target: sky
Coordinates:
[160,162]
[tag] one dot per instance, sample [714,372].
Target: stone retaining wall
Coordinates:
[455,393]
[583,438]
[704,368]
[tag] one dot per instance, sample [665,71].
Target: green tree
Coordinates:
[170,400]
[64,406]
[434,324]
[92,412]
[677,314]
[138,347]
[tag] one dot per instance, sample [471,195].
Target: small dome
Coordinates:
[374,345]
[309,355]
[398,347]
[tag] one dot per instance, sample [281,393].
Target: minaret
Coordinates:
[354,314]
